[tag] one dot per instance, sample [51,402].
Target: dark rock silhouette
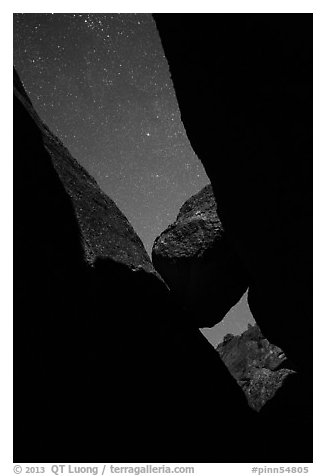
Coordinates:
[195,259]
[105,368]
[244,87]
[255,364]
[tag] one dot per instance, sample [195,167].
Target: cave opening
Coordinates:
[90,306]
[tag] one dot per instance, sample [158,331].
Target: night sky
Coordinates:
[101,83]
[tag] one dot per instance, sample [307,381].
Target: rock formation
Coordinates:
[244,88]
[255,364]
[104,367]
[195,259]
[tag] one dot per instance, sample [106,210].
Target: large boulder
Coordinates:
[195,259]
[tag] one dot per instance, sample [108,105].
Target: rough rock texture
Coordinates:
[254,363]
[244,88]
[103,367]
[196,261]
[263,385]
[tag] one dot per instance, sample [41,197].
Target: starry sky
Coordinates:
[101,83]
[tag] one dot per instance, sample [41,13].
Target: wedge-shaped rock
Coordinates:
[198,263]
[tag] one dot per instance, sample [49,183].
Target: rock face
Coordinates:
[195,259]
[244,88]
[75,254]
[254,363]
[104,365]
